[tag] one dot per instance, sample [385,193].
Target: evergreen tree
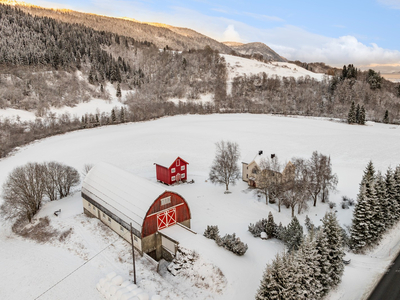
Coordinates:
[323,265]
[101,88]
[119,94]
[372,219]
[351,118]
[362,116]
[113,116]
[392,206]
[271,226]
[398,90]
[333,233]
[294,235]
[369,175]
[381,211]
[360,231]
[396,179]
[122,115]
[386,117]
[358,112]
[308,267]
[272,283]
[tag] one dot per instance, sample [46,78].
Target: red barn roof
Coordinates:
[167,161]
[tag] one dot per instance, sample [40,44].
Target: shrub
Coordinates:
[258,227]
[211,232]
[332,205]
[344,205]
[232,243]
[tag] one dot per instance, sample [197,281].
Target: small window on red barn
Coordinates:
[173,178]
[183,175]
[183,168]
[178,162]
[173,170]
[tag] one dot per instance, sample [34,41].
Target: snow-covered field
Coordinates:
[29,269]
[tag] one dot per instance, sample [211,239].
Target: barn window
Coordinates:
[173,170]
[183,168]
[173,178]
[178,162]
[183,175]
[165,200]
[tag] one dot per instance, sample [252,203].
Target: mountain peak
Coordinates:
[233,44]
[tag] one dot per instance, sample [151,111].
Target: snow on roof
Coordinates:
[124,194]
[257,158]
[166,159]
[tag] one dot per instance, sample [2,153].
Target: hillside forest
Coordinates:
[47,63]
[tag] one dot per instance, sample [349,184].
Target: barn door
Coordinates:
[166,219]
[178,177]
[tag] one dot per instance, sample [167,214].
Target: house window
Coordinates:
[173,178]
[104,215]
[89,205]
[94,208]
[254,171]
[109,219]
[122,228]
[135,238]
[247,175]
[165,200]
[178,162]
[183,168]
[173,170]
[183,175]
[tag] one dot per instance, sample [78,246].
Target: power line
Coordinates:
[61,280]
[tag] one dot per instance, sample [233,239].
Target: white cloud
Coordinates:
[231,35]
[391,3]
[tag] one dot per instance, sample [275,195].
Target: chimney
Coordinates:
[272,155]
[260,152]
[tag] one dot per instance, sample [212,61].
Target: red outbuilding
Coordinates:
[170,171]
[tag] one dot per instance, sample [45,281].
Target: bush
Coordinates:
[211,232]
[332,205]
[258,227]
[344,205]
[349,201]
[232,243]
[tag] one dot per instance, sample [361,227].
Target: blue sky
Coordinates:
[339,32]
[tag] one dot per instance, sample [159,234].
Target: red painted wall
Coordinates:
[165,175]
[182,212]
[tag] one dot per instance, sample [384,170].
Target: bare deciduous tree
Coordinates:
[26,187]
[23,192]
[224,169]
[296,187]
[268,179]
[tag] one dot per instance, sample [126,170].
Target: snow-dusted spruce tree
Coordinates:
[309,225]
[333,233]
[270,228]
[113,116]
[361,121]
[211,232]
[351,117]
[293,235]
[118,94]
[392,210]
[381,207]
[272,283]
[224,169]
[307,260]
[396,178]
[359,232]
[323,264]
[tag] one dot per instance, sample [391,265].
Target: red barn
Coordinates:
[119,198]
[170,171]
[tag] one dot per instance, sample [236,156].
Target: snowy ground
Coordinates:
[93,106]
[32,268]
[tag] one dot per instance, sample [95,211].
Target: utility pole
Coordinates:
[133,258]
